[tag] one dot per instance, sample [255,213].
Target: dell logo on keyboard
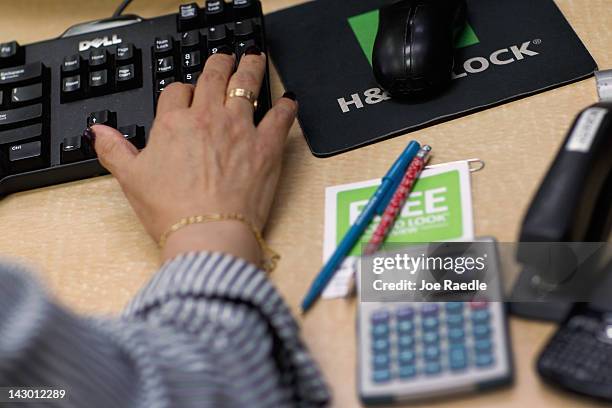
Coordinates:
[99,42]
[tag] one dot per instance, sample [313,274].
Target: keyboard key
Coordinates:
[1,97]
[244,29]
[124,53]
[242,46]
[134,134]
[242,8]
[381,376]
[213,10]
[22,133]
[125,75]
[433,368]
[163,45]
[224,48]
[104,117]
[26,93]
[11,53]
[98,57]
[407,371]
[192,59]
[217,36]
[98,80]
[27,72]
[188,17]
[76,148]
[71,85]
[161,84]
[191,78]
[25,157]
[190,39]
[164,65]
[12,116]
[71,63]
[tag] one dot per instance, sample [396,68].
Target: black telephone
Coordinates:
[573,204]
[579,355]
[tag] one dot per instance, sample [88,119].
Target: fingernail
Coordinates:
[290,95]
[253,50]
[89,134]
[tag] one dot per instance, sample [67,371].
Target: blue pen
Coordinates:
[376,205]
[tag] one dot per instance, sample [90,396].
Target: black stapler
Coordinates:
[573,205]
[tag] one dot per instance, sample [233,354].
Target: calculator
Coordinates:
[414,350]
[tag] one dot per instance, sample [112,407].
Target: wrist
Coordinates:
[228,236]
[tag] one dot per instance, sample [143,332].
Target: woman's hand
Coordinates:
[204,156]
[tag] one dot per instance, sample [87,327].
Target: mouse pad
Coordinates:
[322,49]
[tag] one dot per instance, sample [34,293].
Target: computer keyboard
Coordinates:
[110,72]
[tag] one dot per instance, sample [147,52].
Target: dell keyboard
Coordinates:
[107,72]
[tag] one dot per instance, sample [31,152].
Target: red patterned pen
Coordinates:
[397,202]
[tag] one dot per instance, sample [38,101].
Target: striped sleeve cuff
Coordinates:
[202,275]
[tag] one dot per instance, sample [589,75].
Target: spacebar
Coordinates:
[12,116]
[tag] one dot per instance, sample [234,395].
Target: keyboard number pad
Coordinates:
[425,340]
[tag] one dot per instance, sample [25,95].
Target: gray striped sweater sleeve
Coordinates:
[208,330]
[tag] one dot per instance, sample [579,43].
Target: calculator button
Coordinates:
[431,353]
[406,356]
[405,341]
[405,327]
[380,330]
[381,361]
[381,345]
[381,376]
[454,307]
[405,313]
[484,360]
[407,371]
[457,357]
[430,323]
[431,338]
[456,335]
[379,316]
[479,305]
[433,368]
[481,331]
[429,309]
[483,346]
[454,320]
[480,316]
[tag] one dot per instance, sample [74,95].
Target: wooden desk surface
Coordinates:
[94,255]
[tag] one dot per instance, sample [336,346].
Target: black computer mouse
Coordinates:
[414,47]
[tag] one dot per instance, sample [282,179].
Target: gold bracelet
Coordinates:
[271,256]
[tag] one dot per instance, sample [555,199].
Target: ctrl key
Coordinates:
[25,157]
